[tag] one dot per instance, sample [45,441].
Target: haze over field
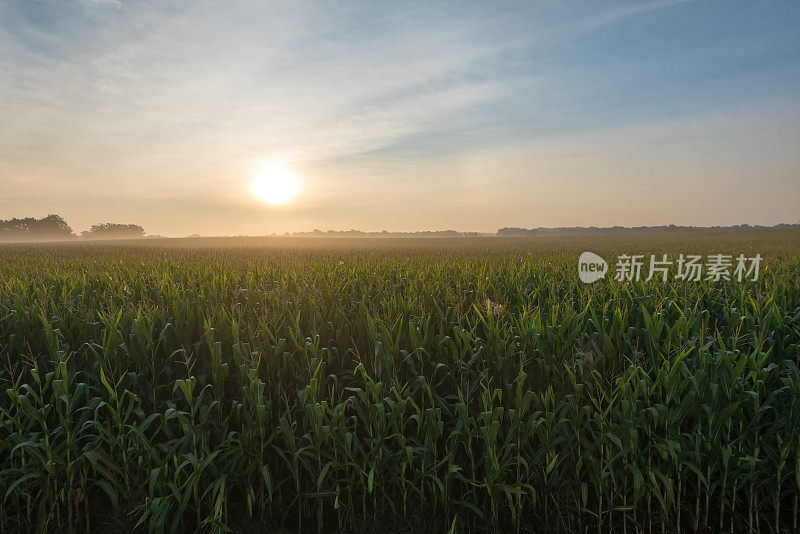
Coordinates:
[254,118]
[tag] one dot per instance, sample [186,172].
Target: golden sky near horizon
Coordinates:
[254,118]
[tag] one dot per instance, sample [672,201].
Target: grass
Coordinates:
[439,385]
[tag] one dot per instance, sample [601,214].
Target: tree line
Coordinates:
[611,230]
[55,228]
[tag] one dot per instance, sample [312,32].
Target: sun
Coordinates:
[275,185]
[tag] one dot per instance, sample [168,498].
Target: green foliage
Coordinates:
[438,386]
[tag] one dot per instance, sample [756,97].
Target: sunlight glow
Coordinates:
[275,185]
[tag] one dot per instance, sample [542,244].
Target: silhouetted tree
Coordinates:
[52,227]
[114,231]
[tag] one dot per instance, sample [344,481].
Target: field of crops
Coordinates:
[464,385]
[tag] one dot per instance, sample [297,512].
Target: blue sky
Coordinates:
[400,116]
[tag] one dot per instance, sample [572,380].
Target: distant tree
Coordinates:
[52,227]
[114,231]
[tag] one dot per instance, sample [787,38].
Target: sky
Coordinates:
[401,116]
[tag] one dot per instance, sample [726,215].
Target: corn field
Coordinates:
[283,385]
